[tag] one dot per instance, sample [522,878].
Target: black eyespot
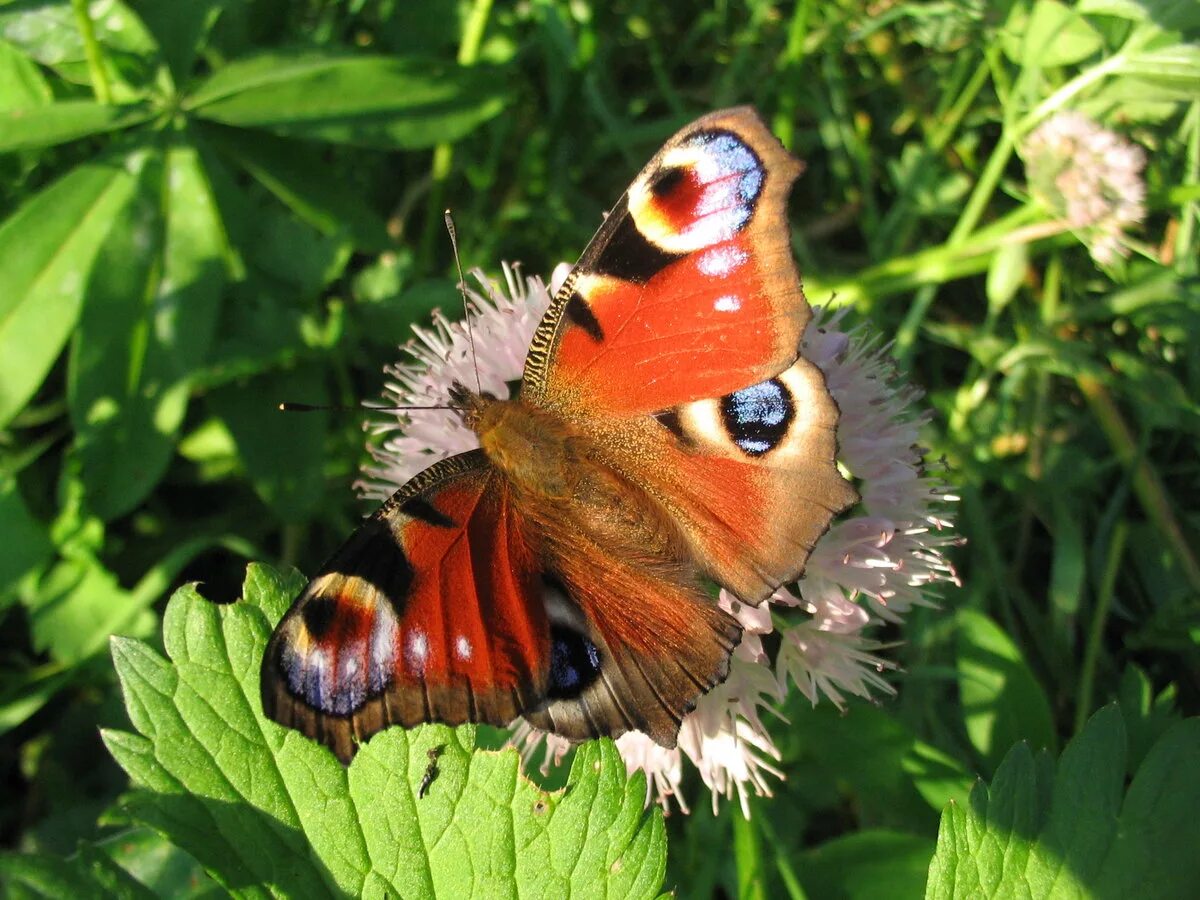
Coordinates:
[757,418]
[574,663]
[317,614]
[666,180]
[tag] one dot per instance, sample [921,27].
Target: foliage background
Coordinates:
[213,206]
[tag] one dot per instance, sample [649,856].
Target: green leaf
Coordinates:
[1051,34]
[283,452]
[270,813]
[47,249]
[1175,67]
[149,322]
[297,176]
[57,123]
[1005,274]
[1068,571]
[89,873]
[27,546]
[1002,701]
[1038,832]
[22,84]
[48,31]
[180,29]
[375,101]
[868,864]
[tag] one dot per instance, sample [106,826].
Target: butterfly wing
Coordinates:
[431,611]
[674,343]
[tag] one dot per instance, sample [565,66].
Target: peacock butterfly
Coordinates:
[666,433]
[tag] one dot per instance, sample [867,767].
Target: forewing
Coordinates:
[688,290]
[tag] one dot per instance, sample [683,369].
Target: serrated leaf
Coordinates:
[1041,832]
[1002,701]
[57,123]
[270,813]
[388,102]
[47,249]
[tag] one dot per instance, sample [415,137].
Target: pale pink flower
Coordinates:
[1090,177]
[875,563]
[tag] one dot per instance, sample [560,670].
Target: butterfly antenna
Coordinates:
[288,406]
[462,287]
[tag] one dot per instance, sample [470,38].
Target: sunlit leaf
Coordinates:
[269,812]
[47,249]
[400,103]
[1072,830]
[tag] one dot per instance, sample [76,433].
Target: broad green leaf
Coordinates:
[180,29]
[57,123]
[1051,34]
[1002,701]
[22,85]
[1072,830]
[270,813]
[27,546]
[149,322]
[47,249]
[868,864]
[1175,67]
[47,30]
[388,102]
[283,452]
[298,176]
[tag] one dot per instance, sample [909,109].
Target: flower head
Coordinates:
[874,564]
[1090,177]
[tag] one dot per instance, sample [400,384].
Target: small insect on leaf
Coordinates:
[431,771]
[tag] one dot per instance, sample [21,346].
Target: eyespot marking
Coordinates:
[757,418]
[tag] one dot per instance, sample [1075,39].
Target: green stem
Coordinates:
[935,265]
[747,852]
[92,51]
[443,153]
[1146,483]
[1104,597]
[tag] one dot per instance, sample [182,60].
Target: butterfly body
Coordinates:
[666,435]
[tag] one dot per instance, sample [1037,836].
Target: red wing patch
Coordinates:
[431,611]
[688,290]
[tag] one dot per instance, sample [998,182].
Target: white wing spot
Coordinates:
[721,261]
[728,303]
[462,647]
[416,650]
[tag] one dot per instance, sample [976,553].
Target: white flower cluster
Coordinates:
[874,564]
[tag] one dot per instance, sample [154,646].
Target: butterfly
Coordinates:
[667,435]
